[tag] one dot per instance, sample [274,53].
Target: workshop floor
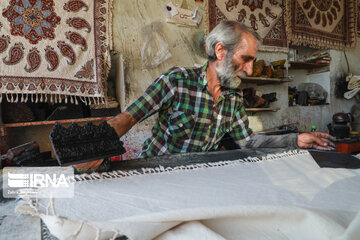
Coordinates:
[13,226]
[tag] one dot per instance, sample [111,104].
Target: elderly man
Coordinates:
[198,106]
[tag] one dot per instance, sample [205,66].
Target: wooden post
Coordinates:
[3,137]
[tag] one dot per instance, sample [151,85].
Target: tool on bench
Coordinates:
[25,153]
[71,145]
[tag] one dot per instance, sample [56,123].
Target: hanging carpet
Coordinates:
[322,24]
[263,16]
[51,49]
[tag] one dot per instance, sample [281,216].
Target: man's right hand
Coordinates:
[122,123]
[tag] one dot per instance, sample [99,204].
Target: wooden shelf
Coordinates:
[41,123]
[261,109]
[305,65]
[265,80]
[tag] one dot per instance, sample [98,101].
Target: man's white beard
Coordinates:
[226,74]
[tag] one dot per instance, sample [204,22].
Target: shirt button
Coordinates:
[181,125]
[227,130]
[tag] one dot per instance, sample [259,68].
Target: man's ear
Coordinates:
[220,51]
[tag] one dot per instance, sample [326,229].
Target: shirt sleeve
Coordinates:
[240,127]
[158,95]
[271,141]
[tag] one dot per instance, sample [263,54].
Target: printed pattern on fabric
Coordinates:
[322,24]
[189,120]
[53,47]
[263,16]
[34,20]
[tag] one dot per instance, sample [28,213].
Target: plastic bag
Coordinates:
[155,49]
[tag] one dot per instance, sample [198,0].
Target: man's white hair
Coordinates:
[229,34]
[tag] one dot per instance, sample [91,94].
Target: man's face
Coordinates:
[237,64]
[226,73]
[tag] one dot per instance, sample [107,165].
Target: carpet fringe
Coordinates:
[196,166]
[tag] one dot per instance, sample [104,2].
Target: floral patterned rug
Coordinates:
[263,16]
[51,49]
[322,24]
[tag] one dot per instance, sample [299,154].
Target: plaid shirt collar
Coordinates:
[203,80]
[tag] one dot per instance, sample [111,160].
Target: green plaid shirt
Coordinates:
[189,120]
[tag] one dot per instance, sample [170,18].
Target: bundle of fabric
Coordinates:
[285,196]
[353,87]
[54,49]
[263,16]
[322,24]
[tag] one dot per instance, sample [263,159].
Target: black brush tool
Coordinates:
[77,144]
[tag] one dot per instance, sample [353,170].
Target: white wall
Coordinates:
[129,18]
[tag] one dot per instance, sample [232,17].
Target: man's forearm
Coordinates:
[122,123]
[272,141]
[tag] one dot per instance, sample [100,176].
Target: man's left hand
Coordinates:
[317,140]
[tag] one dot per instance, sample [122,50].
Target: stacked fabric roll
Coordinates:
[353,87]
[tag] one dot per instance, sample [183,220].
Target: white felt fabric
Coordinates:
[288,197]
